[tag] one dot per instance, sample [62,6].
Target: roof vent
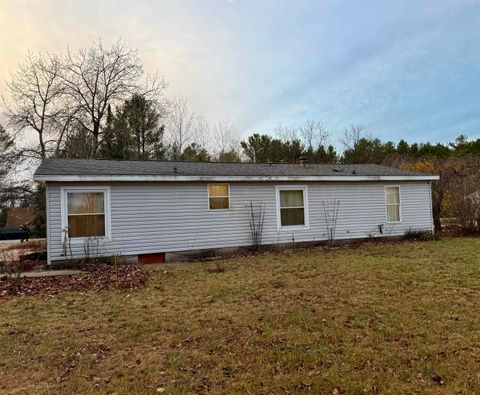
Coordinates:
[303,161]
[175,170]
[270,163]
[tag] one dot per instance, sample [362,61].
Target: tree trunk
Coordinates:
[436,219]
[96,138]
[437,199]
[43,153]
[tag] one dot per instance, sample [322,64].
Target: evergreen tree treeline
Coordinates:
[136,130]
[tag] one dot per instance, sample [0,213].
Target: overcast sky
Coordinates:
[404,69]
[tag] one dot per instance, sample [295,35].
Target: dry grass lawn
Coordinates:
[391,318]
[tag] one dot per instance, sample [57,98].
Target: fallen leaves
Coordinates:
[97,277]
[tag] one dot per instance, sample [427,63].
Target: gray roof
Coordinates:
[92,167]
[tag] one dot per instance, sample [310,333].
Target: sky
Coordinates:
[402,69]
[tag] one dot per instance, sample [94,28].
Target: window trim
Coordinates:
[399,204]
[64,211]
[287,228]
[208,197]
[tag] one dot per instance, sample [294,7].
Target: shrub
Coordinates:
[468,214]
[418,235]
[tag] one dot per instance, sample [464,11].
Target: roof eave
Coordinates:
[180,178]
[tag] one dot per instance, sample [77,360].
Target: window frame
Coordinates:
[304,189]
[213,197]
[64,211]
[399,204]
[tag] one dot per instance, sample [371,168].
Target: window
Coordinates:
[85,212]
[218,196]
[291,207]
[392,202]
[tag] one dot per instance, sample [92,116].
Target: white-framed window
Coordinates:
[292,207]
[392,204]
[218,196]
[86,212]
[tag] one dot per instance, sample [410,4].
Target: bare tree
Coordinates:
[180,124]
[313,134]
[36,104]
[202,132]
[285,133]
[95,77]
[352,136]
[50,94]
[226,143]
[225,137]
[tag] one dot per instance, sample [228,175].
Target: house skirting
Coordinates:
[218,253]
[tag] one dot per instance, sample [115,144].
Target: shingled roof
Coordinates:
[91,170]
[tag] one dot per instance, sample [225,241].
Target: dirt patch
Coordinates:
[97,277]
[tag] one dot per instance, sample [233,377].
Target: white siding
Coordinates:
[170,217]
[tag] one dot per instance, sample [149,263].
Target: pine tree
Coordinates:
[143,122]
[133,132]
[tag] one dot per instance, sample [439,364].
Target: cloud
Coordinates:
[404,69]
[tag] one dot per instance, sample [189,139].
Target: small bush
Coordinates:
[418,235]
[468,215]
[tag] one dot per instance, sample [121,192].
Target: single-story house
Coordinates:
[146,209]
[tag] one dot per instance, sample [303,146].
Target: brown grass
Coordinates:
[390,318]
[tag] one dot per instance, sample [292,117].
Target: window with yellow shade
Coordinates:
[218,196]
[85,212]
